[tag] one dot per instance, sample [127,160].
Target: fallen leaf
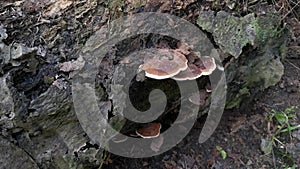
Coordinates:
[234,127]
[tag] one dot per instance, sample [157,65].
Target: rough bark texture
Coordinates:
[39,128]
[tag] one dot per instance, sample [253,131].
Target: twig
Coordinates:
[296,4]
[278,141]
[293,65]
[274,160]
[290,10]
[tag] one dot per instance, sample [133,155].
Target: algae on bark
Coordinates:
[253,70]
[230,33]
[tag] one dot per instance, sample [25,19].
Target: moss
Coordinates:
[266,28]
[66,162]
[265,71]
[99,91]
[244,90]
[117,122]
[233,103]
[259,68]
[266,67]
[283,51]
[230,33]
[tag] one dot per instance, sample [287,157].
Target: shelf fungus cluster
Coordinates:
[178,64]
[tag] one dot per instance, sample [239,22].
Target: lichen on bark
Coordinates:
[259,67]
[230,33]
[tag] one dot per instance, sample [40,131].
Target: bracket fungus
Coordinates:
[150,131]
[170,63]
[179,64]
[205,65]
[191,73]
[165,65]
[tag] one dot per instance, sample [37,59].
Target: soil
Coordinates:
[240,131]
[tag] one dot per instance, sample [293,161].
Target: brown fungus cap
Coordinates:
[191,73]
[150,131]
[165,64]
[202,66]
[206,64]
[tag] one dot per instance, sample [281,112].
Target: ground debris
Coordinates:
[84,7]
[71,65]
[57,8]
[238,124]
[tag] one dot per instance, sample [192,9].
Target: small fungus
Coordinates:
[206,64]
[150,131]
[198,98]
[208,88]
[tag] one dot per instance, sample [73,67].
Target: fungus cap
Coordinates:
[164,64]
[150,131]
[191,73]
[206,64]
[208,88]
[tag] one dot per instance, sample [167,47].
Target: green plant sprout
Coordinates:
[222,152]
[283,120]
